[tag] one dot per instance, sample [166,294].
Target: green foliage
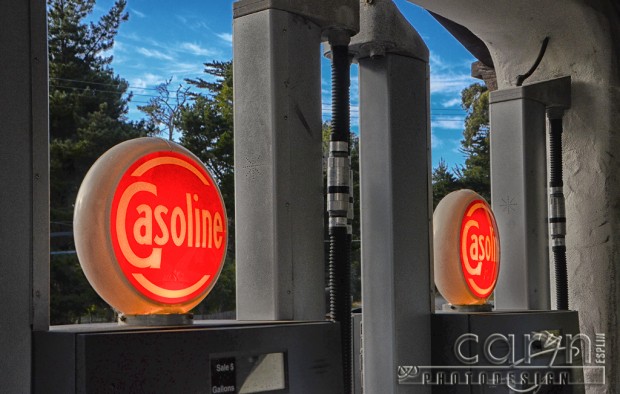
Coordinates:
[475,174]
[206,126]
[73,297]
[444,182]
[222,296]
[81,80]
[88,106]
[221,90]
[205,122]
[87,103]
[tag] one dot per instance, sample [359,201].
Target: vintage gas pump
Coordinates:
[152,236]
[517,344]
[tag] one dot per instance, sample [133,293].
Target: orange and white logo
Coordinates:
[168,227]
[479,248]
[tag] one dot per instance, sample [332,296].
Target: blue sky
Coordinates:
[164,39]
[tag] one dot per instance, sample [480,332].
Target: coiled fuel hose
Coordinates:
[557,215]
[338,201]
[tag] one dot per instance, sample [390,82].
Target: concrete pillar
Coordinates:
[24,185]
[396,219]
[519,190]
[395,196]
[278,155]
[519,200]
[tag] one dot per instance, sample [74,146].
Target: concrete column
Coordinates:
[24,184]
[519,190]
[278,154]
[278,167]
[395,198]
[396,217]
[519,201]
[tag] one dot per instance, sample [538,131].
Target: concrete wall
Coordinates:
[24,196]
[584,42]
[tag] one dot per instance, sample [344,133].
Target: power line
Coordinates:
[452,111]
[101,91]
[99,83]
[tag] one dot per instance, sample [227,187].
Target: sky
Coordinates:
[172,39]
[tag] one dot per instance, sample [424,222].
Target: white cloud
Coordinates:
[134,113]
[131,36]
[326,110]
[119,47]
[185,69]
[354,90]
[449,77]
[456,147]
[449,83]
[196,49]
[355,114]
[450,123]
[226,37]
[146,80]
[436,62]
[435,141]
[451,103]
[154,53]
[137,13]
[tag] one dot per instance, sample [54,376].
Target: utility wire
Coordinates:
[100,90]
[455,111]
[441,116]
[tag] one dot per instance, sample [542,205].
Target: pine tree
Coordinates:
[81,79]
[88,107]
[444,182]
[475,174]
[206,126]
[88,102]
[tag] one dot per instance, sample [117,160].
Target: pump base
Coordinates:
[467,308]
[506,352]
[186,319]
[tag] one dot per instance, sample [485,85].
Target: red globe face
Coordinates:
[168,227]
[479,249]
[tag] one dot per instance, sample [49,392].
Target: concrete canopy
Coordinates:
[514,31]
[584,42]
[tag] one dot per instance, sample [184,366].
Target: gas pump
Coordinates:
[151,236]
[520,345]
[281,341]
[152,239]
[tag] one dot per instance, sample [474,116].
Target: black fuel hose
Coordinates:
[557,215]
[338,198]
